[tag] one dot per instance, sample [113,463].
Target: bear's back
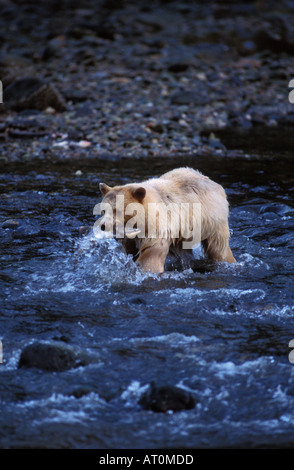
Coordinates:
[184,181]
[183,173]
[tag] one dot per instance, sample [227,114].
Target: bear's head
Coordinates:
[122,210]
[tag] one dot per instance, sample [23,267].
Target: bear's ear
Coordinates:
[139,194]
[104,188]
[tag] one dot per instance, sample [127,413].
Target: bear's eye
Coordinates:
[102,213]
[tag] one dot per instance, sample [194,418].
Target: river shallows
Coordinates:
[220,332]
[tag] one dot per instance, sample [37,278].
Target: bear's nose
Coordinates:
[103,227]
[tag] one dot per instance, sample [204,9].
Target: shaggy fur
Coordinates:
[182,185]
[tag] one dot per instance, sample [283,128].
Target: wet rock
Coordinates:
[14,67]
[156,127]
[233,10]
[84,230]
[52,357]
[85,56]
[167,397]
[215,143]
[53,48]
[138,301]
[32,93]
[10,223]
[153,22]
[80,392]
[274,36]
[179,60]
[178,66]
[84,110]
[75,95]
[189,97]
[26,127]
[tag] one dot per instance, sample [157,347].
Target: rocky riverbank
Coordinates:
[105,79]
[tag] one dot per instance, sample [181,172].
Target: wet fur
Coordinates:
[182,185]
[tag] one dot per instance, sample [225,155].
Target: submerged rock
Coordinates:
[10,223]
[84,230]
[166,397]
[52,357]
[83,390]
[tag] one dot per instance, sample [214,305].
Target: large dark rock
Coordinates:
[32,93]
[166,397]
[53,357]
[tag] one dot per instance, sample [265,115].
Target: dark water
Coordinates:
[220,332]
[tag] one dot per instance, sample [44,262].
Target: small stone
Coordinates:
[190,97]
[183,123]
[50,110]
[156,127]
[84,143]
[179,66]
[127,144]
[201,76]
[112,136]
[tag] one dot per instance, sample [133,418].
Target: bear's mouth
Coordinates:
[132,233]
[129,232]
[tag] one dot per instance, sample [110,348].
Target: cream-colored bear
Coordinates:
[171,213]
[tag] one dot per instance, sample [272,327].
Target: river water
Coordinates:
[220,332]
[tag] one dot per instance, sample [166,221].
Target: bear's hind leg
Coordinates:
[229,256]
[216,247]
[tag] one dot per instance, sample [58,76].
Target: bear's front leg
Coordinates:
[152,257]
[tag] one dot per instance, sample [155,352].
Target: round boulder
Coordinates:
[52,357]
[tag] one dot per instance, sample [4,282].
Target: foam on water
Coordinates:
[133,392]
[229,368]
[172,339]
[97,264]
[93,266]
[61,408]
